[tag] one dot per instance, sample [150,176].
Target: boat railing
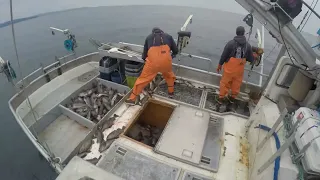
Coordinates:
[210,65]
[43,70]
[41,76]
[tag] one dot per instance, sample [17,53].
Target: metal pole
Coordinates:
[253,71]
[281,53]
[188,21]
[261,61]
[60,30]
[311,9]
[183,28]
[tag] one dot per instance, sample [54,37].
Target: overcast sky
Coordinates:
[24,8]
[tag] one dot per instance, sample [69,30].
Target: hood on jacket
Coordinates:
[240,39]
[156,30]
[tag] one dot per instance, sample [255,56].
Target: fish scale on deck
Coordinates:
[98,135]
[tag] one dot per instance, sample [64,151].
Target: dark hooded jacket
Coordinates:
[154,39]
[230,49]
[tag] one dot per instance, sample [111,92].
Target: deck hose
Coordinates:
[277,161]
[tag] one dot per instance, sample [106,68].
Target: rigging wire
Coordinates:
[304,17]
[14,39]
[285,45]
[274,47]
[309,15]
[284,42]
[22,79]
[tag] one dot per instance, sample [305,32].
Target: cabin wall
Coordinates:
[273,91]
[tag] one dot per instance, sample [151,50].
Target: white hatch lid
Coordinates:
[184,135]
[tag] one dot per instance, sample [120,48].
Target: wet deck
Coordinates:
[202,97]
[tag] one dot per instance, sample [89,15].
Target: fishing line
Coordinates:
[22,79]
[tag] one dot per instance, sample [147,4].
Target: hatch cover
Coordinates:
[184,136]
[131,165]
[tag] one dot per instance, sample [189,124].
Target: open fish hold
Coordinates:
[95,99]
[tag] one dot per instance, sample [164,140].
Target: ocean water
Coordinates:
[211,30]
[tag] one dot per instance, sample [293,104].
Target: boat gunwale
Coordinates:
[16,100]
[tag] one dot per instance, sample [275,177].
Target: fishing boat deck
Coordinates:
[145,162]
[63,135]
[53,93]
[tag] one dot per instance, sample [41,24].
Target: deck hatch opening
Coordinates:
[148,125]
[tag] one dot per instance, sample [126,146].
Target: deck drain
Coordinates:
[205,160]
[121,151]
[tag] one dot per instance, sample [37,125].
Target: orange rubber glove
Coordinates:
[219,68]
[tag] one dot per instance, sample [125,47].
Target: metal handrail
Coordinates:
[261,74]
[42,71]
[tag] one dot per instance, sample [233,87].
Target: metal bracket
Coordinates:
[298,156]
[273,129]
[286,145]
[278,153]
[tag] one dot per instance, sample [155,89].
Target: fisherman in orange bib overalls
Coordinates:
[157,55]
[233,60]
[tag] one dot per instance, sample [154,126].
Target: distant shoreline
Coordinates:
[8,23]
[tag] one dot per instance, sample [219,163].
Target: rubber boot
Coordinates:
[221,105]
[170,95]
[130,102]
[231,106]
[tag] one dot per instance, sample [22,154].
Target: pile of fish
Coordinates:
[184,91]
[146,134]
[104,143]
[96,102]
[154,83]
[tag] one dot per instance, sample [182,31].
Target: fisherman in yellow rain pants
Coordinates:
[157,55]
[233,60]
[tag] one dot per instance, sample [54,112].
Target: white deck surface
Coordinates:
[230,167]
[267,113]
[184,136]
[61,87]
[63,135]
[51,94]
[79,168]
